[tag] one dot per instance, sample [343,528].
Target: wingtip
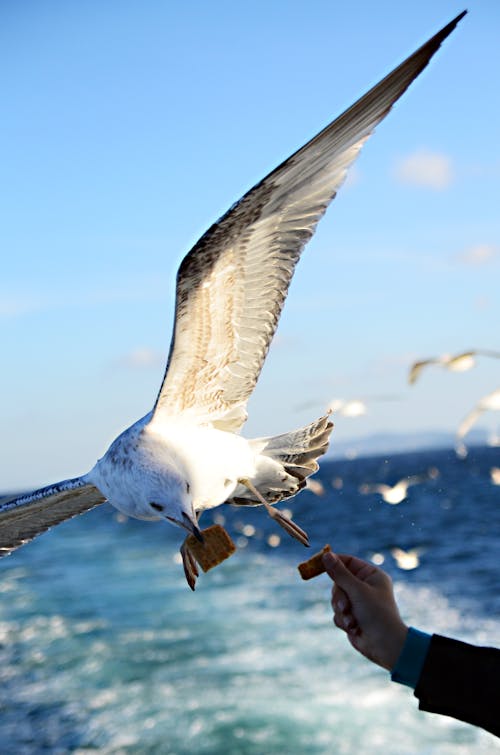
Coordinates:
[449,27]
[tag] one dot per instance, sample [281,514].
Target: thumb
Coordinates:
[340,574]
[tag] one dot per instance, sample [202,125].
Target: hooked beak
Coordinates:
[192,526]
[189,524]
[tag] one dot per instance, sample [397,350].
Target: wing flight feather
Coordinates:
[25,517]
[232,285]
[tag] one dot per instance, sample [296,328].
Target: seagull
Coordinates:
[407,560]
[354,407]
[391,493]
[187,454]
[462,362]
[495,475]
[397,493]
[315,486]
[490,402]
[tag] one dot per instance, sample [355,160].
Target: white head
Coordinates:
[175,504]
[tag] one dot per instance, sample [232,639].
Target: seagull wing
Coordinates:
[468,421]
[232,285]
[25,517]
[417,368]
[487,353]
[490,402]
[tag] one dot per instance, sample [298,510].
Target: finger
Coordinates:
[359,568]
[340,574]
[340,601]
[339,622]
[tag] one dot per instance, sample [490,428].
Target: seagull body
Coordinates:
[187,455]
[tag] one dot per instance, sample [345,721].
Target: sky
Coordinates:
[128,128]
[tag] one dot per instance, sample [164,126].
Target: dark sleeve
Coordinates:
[462,681]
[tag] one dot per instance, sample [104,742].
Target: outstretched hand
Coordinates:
[365,608]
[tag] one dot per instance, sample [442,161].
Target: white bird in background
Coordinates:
[407,560]
[462,362]
[397,493]
[315,486]
[490,402]
[353,408]
[186,455]
[495,475]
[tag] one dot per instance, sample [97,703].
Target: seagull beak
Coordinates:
[191,525]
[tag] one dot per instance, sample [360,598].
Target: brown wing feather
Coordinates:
[232,285]
[25,517]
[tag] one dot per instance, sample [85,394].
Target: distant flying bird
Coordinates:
[495,475]
[462,362]
[390,493]
[315,486]
[397,493]
[407,560]
[353,408]
[186,455]
[490,402]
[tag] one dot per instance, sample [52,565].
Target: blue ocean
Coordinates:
[104,649]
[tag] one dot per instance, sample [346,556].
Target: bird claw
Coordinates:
[190,566]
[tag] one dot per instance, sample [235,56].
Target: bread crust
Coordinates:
[314,565]
[216,547]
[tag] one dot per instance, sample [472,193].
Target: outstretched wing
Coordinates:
[25,517]
[232,286]
[417,368]
[490,402]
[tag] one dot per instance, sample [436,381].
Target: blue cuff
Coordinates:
[409,664]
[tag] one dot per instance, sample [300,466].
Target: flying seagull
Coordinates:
[187,455]
[462,362]
[488,403]
[398,492]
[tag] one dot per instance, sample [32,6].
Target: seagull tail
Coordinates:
[284,462]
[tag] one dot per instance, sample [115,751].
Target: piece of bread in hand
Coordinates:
[216,547]
[314,565]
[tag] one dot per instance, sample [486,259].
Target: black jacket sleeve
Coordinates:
[462,681]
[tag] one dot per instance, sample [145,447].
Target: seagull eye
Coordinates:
[156,506]
[188,487]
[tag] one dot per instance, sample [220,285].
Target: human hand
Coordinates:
[365,608]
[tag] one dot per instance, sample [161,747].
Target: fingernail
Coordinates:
[341,605]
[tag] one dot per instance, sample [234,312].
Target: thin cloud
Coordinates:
[142,358]
[17,306]
[479,254]
[430,170]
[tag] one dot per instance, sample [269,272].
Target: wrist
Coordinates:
[395,643]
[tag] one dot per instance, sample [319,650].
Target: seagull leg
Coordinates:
[190,566]
[293,529]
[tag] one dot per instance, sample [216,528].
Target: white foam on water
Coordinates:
[249,664]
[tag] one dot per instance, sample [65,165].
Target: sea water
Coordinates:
[104,649]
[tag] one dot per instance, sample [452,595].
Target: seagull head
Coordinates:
[178,509]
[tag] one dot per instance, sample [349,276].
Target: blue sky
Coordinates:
[127,128]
